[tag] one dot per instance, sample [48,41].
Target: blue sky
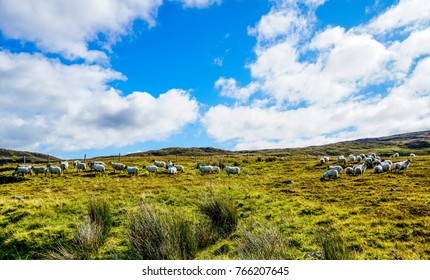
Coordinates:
[108,77]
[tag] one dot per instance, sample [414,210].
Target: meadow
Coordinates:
[277,208]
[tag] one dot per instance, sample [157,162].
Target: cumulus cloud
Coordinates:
[67,27]
[331,84]
[49,105]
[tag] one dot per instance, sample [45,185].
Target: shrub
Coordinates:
[222,214]
[333,244]
[263,243]
[158,237]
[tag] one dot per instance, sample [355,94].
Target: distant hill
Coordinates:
[415,142]
[7,156]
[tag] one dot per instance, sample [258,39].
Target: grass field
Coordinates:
[374,216]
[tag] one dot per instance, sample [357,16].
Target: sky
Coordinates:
[102,77]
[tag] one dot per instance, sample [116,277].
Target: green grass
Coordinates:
[375,216]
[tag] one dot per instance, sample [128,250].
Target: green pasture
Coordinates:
[374,216]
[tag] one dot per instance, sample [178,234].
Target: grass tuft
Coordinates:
[222,214]
[333,244]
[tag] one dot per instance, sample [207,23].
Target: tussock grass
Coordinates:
[222,214]
[156,236]
[333,244]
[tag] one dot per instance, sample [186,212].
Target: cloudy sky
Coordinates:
[102,77]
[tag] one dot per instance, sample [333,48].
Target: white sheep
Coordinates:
[179,168]
[172,170]
[349,170]
[352,157]
[39,169]
[99,168]
[79,165]
[358,159]
[359,169]
[54,169]
[232,170]
[64,165]
[160,163]
[402,166]
[412,155]
[395,155]
[332,173]
[386,166]
[216,169]
[151,169]
[322,161]
[206,168]
[22,170]
[378,169]
[132,170]
[91,164]
[341,160]
[327,158]
[117,166]
[335,167]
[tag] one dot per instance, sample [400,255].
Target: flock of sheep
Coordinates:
[100,167]
[364,162]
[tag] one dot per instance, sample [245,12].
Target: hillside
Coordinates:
[416,142]
[18,156]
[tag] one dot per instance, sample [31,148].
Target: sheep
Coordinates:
[403,165]
[232,170]
[54,169]
[335,167]
[132,170]
[386,166]
[341,160]
[395,155]
[160,163]
[359,169]
[179,168]
[322,161]
[99,168]
[352,157]
[22,169]
[117,166]
[79,165]
[151,169]
[172,170]
[358,159]
[39,169]
[412,155]
[327,158]
[170,163]
[205,168]
[91,164]
[64,165]
[216,169]
[332,173]
[378,169]
[349,171]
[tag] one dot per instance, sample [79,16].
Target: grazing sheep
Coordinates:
[99,168]
[322,161]
[352,157]
[378,169]
[64,165]
[91,164]
[341,160]
[151,169]
[117,166]
[132,170]
[170,163]
[335,167]
[359,169]
[395,155]
[412,155]
[332,173]
[39,169]
[160,163]
[54,169]
[232,170]
[172,170]
[179,168]
[327,158]
[402,166]
[216,169]
[349,171]
[386,166]
[22,170]
[79,165]
[206,168]
[358,159]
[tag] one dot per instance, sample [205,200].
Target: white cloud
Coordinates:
[407,13]
[229,88]
[67,27]
[326,84]
[199,3]
[48,104]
